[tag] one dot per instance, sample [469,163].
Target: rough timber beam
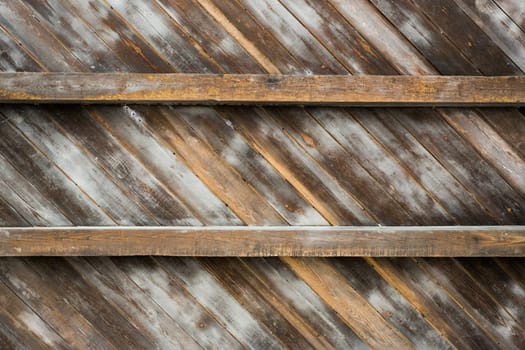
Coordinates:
[265,241]
[364,90]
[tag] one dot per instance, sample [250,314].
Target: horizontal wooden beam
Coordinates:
[265,241]
[363,90]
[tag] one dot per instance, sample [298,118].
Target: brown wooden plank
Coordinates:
[258,299]
[265,241]
[261,89]
[22,328]
[179,137]
[151,318]
[332,200]
[230,313]
[390,303]
[427,297]
[474,297]
[298,298]
[107,319]
[333,288]
[51,304]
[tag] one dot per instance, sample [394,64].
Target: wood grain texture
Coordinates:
[262,89]
[291,161]
[265,241]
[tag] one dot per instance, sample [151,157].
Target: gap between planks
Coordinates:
[347,90]
[451,241]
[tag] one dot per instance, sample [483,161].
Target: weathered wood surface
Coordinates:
[265,241]
[343,90]
[296,166]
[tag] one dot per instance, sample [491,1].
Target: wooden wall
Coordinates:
[143,165]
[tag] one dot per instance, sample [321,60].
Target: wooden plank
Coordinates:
[172,296]
[107,319]
[445,314]
[53,305]
[251,165]
[362,317]
[268,308]
[298,298]
[261,89]
[166,165]
[150,318]
[265,241]
[332,200]
[472,295]
[390,303]
[230,313]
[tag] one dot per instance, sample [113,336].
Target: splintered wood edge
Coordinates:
[450,241]
[358,90]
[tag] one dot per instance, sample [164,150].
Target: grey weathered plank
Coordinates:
[261,89]
[265,241]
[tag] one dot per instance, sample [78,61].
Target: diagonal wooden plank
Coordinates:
[430,299]
[262,89]
[333,288]
[265,240]
[299,298]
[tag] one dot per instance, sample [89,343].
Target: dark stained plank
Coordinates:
[50,303]
[164,329]
[515,268]
[498,26]
[266,241]
[498,280]
[109,320]
[510,125]
[261,89]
